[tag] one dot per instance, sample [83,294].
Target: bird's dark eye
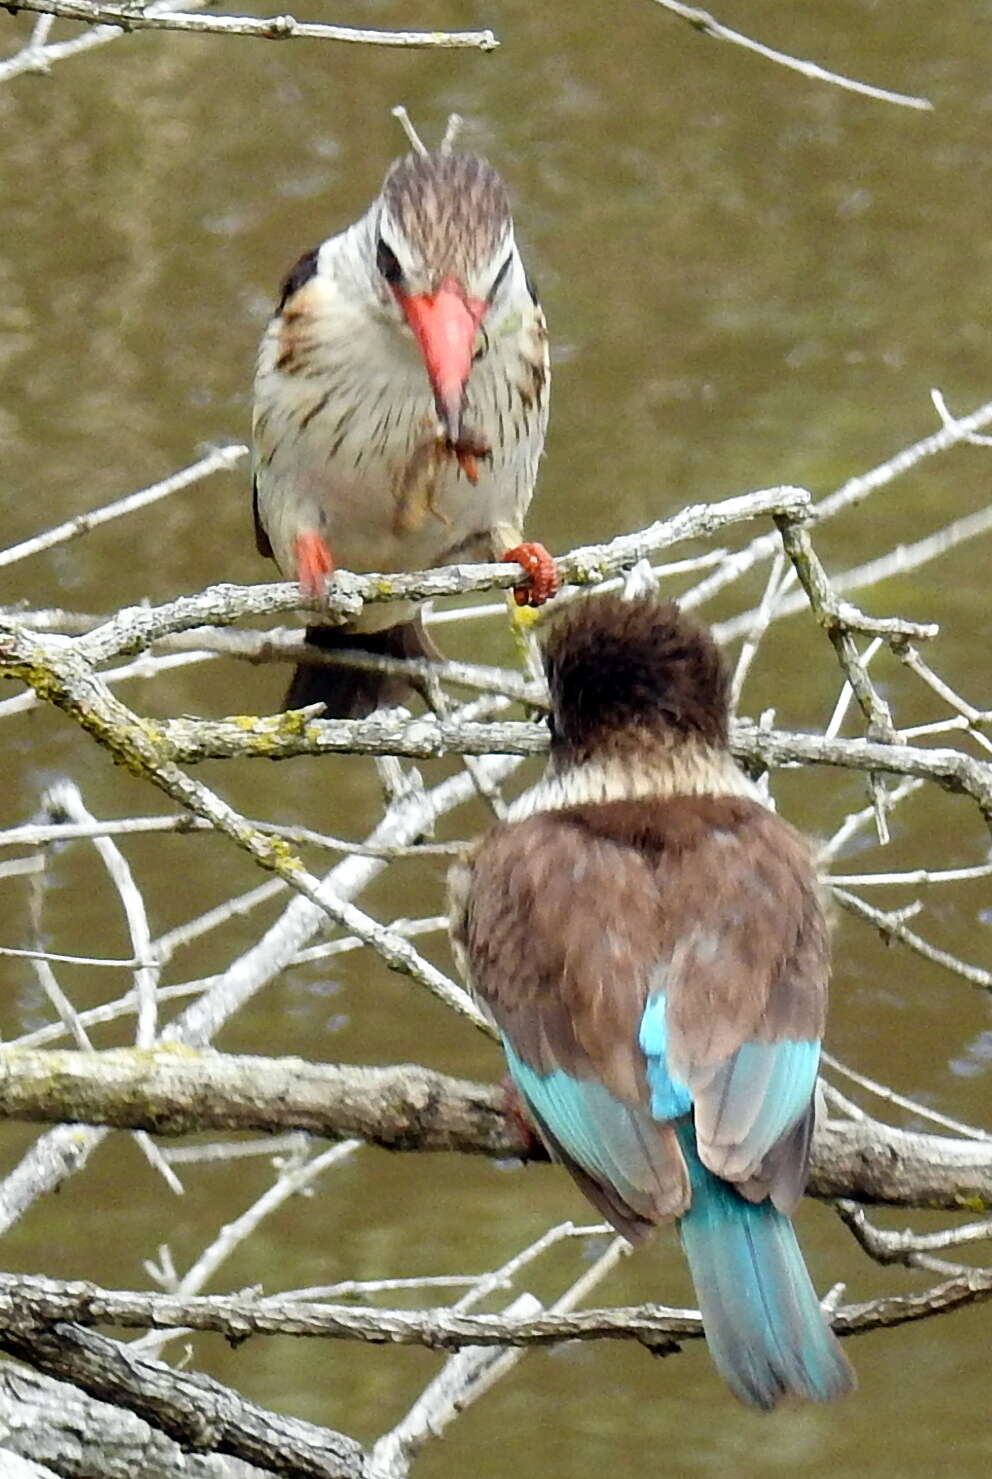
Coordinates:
[386,261]
[497,280]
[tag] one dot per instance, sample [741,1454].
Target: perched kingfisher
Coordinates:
[401,401]
[649,940]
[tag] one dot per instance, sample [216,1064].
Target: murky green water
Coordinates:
[750,279]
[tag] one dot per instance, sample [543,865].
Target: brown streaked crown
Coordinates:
[616,665]
[452,209]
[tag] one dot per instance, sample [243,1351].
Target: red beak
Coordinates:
[445,326]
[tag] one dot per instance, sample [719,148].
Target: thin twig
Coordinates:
[970,1132]
[273,28]
[222,459]
[849,494]
[701,20]
[892,926]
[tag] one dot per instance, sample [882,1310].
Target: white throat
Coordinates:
[689,771]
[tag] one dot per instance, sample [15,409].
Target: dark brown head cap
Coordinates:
[615,666]
[451,210]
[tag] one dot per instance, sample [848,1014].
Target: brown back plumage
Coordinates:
[575,917]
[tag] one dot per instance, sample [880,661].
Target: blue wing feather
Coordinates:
[670,1098]
[752,1102]
[619,1145]
[743,1107]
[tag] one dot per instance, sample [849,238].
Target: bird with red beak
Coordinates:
[401,401]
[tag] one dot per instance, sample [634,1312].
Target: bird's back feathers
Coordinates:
[579,919]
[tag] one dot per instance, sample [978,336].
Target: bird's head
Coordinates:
[636,673]
[444,254]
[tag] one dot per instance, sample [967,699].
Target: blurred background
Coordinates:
[750,278]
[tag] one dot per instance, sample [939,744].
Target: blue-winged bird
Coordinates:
[648,938]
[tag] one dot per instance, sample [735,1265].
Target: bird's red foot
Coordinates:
[517,1110]
[314,563]
[542,577]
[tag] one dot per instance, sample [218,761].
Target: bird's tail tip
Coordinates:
[767,1333]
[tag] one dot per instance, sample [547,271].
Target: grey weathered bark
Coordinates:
[35,1316]
[412,1108]
[62,1432]
[195,1411]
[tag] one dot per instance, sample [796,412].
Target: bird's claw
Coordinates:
[542,576]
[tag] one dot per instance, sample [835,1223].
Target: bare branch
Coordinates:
[50,1421]
[413,1108]
[274,28]
[176,1093]
[34,1316]
[970,1132]
[899,561]
[406,123]
[902,1245]
[193,1409]
[69,682]
[64,1150]
[193,740]
[222,459]
[849,494]
[892,927]
[39,55]
[222,605]
[295,1174]
[64,799]
[701,20]
[912,877]
[839,621]
[951,769]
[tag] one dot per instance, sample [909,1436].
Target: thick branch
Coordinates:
[50,1422]
[413,1108]
[176,1091]
[951,769]
[55,667]
[196,1411]
[283,736]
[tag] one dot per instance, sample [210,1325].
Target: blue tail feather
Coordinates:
[766,1332]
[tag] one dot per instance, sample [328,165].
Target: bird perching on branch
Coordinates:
[401,401]
[648,938]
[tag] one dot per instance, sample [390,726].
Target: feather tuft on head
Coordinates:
[615,665]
